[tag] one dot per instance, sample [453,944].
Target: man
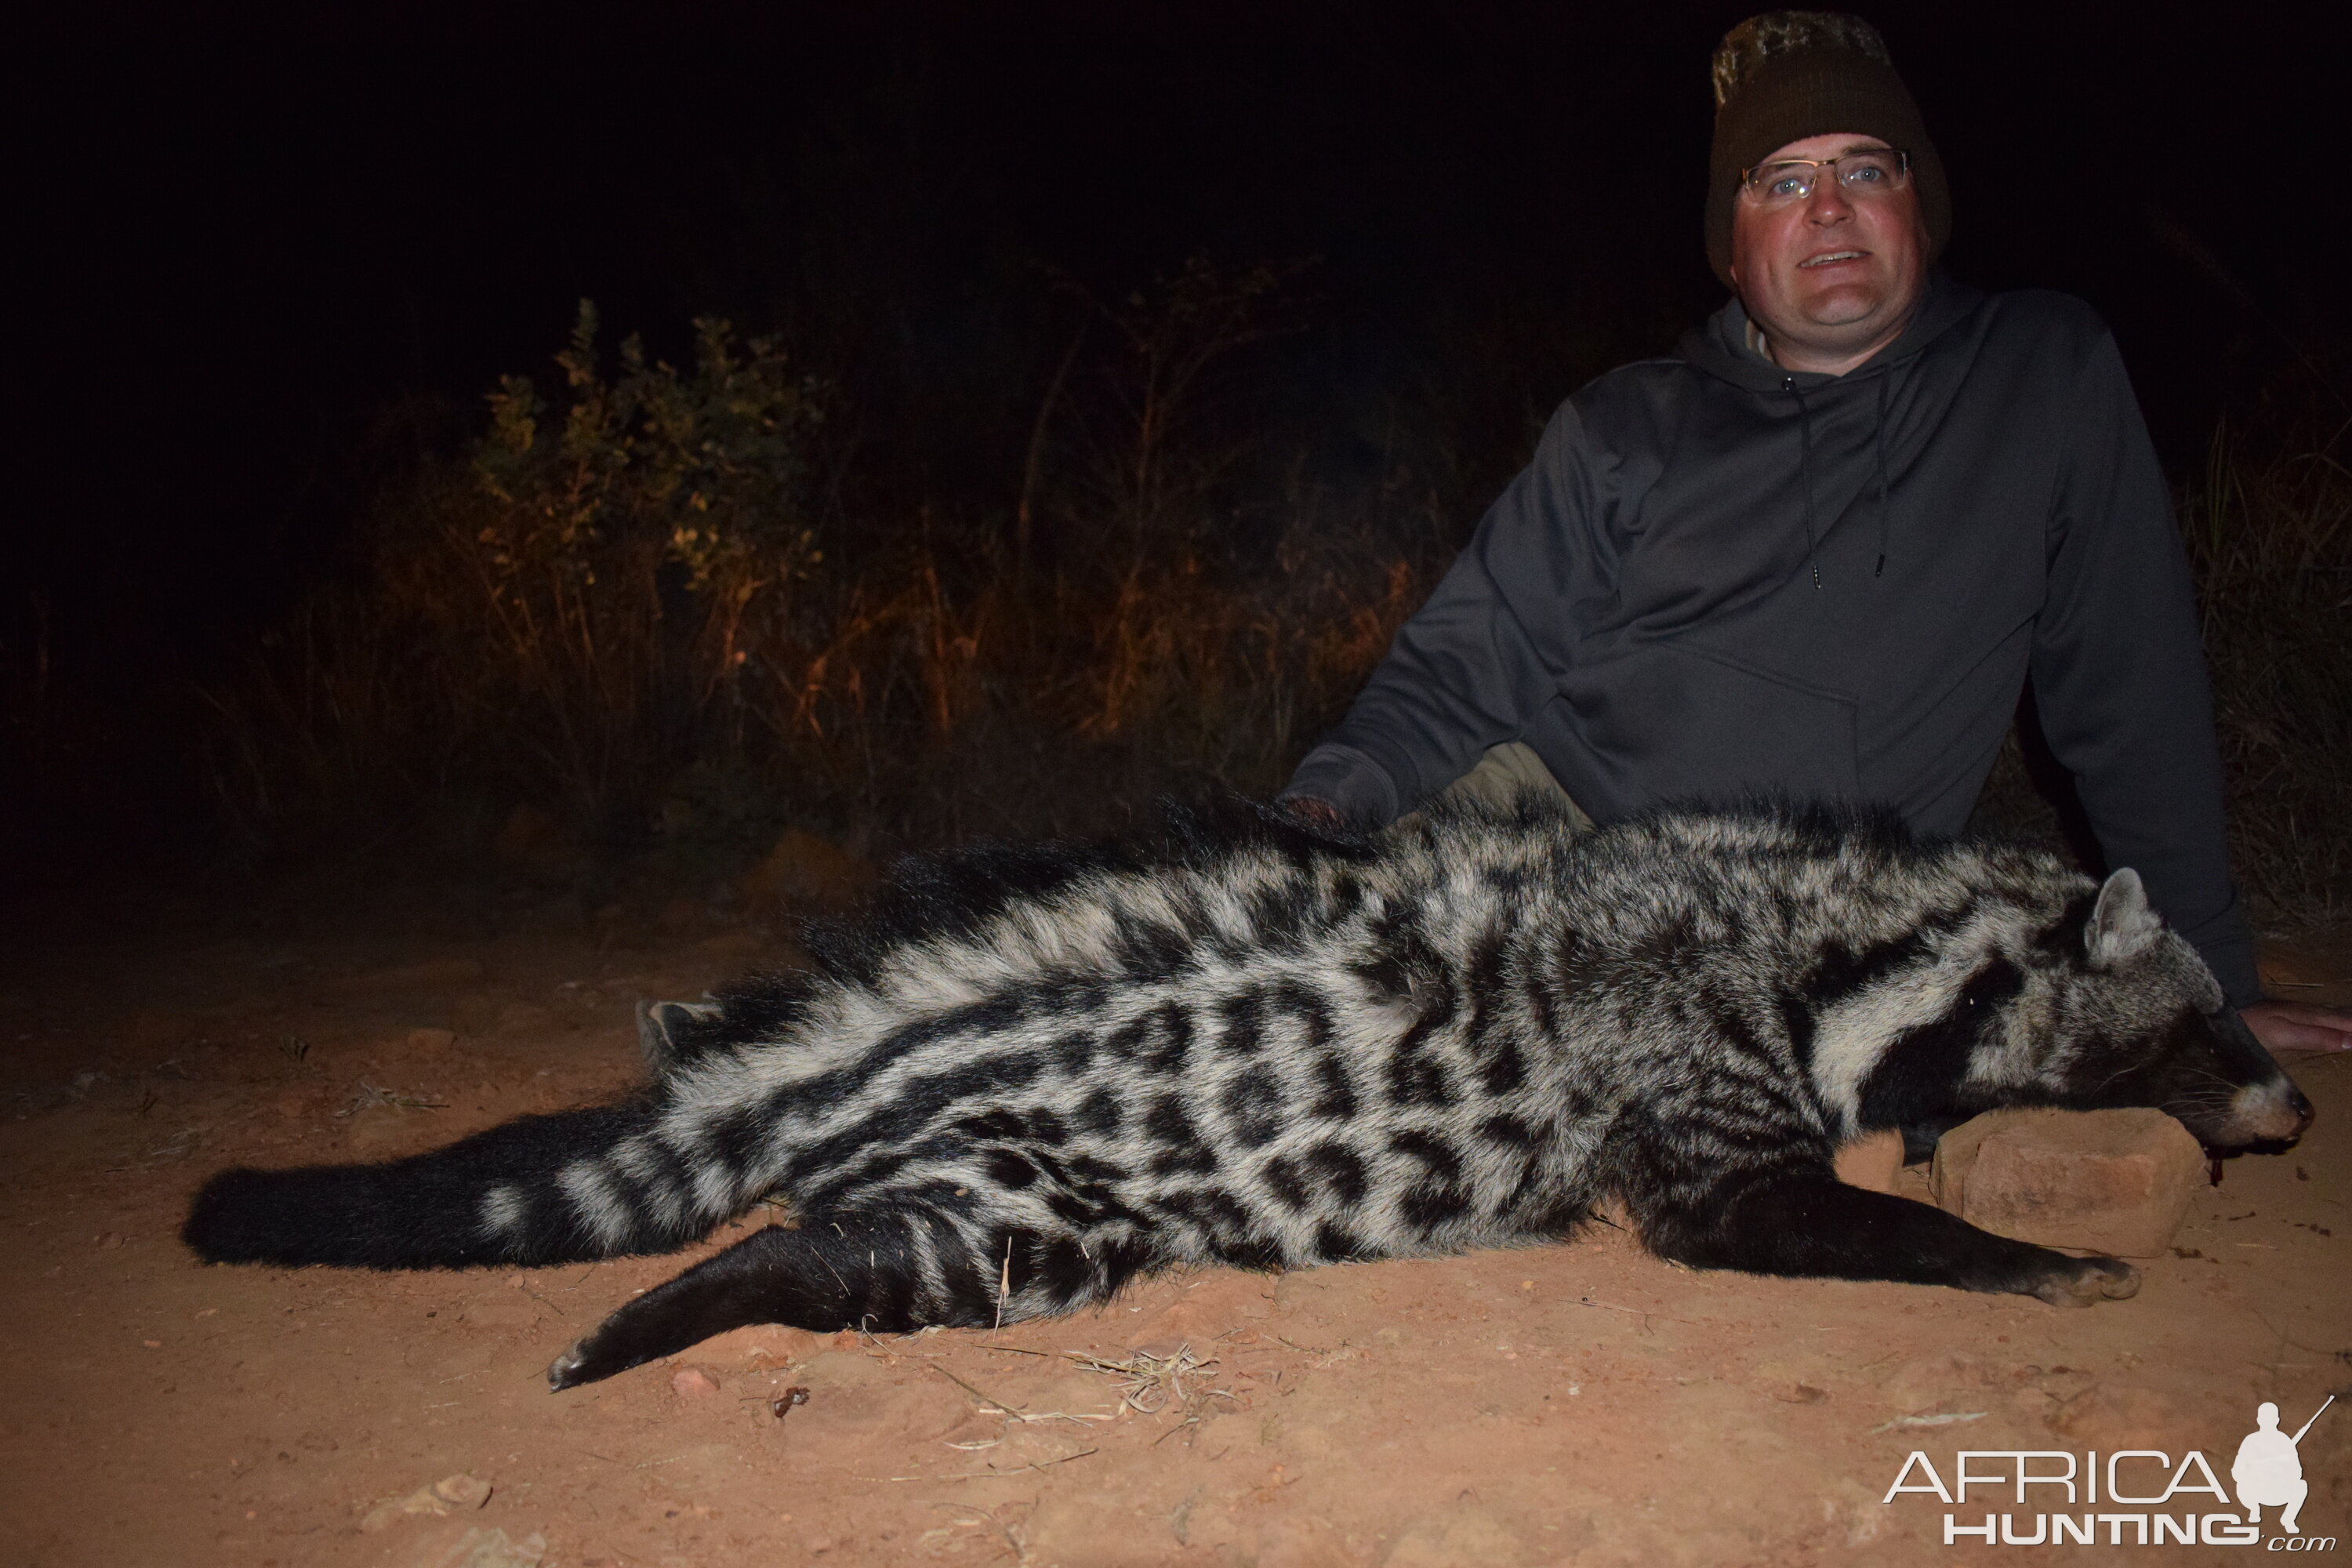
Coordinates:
[1820,551]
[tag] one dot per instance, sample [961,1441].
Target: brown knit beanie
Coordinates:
[1787,75]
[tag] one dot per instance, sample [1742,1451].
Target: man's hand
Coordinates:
[1317,812]
[2284,1026]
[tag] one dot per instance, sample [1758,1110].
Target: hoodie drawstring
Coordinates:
[1883,504]
[1805,473]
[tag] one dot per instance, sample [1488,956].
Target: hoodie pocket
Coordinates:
[1688,723]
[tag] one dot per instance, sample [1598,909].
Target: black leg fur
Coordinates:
[1807,1223]
[825,1277]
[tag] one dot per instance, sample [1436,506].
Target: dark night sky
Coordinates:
[262,253]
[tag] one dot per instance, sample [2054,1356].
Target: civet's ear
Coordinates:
[2122,925]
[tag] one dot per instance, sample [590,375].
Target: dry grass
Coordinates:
[635,612]
[628,614]
[1149,1384]
[2270,530]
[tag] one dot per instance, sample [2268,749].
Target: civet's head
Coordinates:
[2117,1010]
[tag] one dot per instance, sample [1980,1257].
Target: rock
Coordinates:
[692,1382]
[804,868]
[481,1548]
[1874,1160]
[450,1494]
[2113,1182]
[461,1490]
[431,1042]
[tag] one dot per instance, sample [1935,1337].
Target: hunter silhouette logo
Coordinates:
[2268,1470]
[2125,1497]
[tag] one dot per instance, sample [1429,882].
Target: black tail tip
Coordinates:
[238,1216]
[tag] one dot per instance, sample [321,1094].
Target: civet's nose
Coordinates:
[2272,1113]
[2302,1107]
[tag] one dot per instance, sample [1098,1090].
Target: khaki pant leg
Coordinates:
[1508,772]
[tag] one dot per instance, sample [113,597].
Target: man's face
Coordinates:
[1833,277]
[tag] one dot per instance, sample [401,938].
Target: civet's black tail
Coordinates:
[543,1189]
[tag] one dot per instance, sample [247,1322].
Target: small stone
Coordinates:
[2115,1181]
[431,1042]
[692,1382]
[110,1240]
[485,1548]
[1874,1160]
[450,1494]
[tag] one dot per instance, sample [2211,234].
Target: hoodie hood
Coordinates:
[1724,348]
[1722,345]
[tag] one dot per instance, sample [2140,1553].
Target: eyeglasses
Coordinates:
[1873,172]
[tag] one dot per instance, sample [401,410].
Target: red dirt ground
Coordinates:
[1579,1404]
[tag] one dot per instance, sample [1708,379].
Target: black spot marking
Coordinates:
[1339,1169]
[1253,1107]
[1508,1131]
[995,1122]
[1242,1024]
[1073,1053]
[1427,1208]
[1335,1096]
[1179,1146]
[1312,1011]
[1007,1169]
[1436,1155]
[2065,941]
[1099,1115]
[1335,1245]
[1284,1180]
[1217,1214]
[1416,1078]
[1282,913]
[1504,1069]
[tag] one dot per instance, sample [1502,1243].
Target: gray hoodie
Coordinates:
[1719,578]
